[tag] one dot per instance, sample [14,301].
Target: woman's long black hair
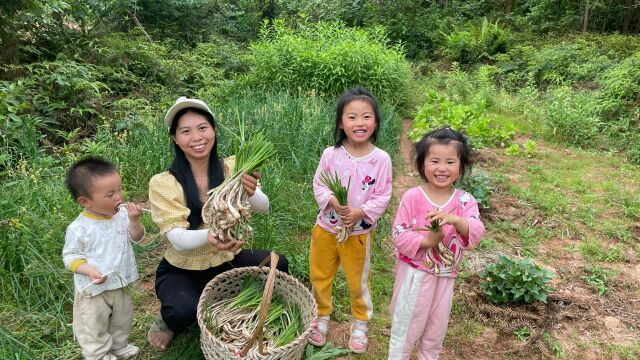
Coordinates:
[181,169]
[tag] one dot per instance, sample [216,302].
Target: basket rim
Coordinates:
[205,333]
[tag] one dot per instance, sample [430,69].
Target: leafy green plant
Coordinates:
[509,281]
[571,117]
[598,278]
[475,42]
[442,110]
[328,351]
[529,148]
[479,184]
[554,345]
[513,150]
[522,333]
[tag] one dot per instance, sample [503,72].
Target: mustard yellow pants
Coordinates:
[355,257]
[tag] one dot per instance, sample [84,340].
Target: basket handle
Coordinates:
[264,306]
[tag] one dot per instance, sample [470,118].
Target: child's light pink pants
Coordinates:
[420,310]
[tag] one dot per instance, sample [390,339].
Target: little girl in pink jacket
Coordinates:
[434,225]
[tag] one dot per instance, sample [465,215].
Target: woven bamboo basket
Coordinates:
[229,284]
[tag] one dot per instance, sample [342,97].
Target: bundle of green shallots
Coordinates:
[234,320]
[341,193]
[226,211]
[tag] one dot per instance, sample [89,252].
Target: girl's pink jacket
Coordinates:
[370,187]
[412,214]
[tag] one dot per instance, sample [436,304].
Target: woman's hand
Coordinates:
[250,182]
[232,245]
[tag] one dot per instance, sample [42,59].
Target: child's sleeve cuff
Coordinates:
[75,263]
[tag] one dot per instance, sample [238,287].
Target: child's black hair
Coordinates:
[356,93]
[82,172]
[181,169]
[444,136]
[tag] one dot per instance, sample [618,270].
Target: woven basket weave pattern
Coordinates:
[229,284]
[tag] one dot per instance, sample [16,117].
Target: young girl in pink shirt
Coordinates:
[429,255]
[366,169]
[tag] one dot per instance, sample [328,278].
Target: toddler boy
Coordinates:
[97,249]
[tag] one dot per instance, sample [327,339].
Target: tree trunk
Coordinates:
[585,18]
[627,16]
[508,6]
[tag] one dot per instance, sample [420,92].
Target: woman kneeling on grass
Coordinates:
[194,255]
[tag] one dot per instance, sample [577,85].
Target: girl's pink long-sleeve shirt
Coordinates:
[370,187]
[441,261]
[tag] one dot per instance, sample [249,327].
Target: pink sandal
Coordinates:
[319,329]
[358,339]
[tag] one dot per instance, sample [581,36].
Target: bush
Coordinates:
[180,71]
[476,42]
[571,117]
[52,99]
[440,110]
[510,281]
[328,58]
[622,81]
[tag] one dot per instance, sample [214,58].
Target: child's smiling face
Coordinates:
[105,195]
[442,165]
[358,121]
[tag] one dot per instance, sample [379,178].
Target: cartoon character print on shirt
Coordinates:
[331,217]
[464,199]
[400,228]
[361,225]
[367,182]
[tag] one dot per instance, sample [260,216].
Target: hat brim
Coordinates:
[184,103]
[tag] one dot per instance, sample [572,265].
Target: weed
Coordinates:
[509,281]
[554,345]
[529,240]
[598,278]
[522,333]
[594,250]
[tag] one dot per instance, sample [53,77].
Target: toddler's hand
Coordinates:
[134,211]
[341,210]
[442,216]
[97,277]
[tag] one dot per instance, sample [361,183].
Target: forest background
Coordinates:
[548,90]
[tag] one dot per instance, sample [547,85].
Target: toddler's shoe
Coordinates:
[127,352]
[358,339]
[109,356]
[319,328]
